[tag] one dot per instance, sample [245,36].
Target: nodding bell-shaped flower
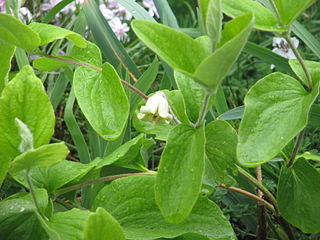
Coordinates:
[157,107]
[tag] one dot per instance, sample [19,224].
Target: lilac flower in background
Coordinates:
[106,12]
[25,14]
[119,28]
[3,6]
[282,48]
[149,4]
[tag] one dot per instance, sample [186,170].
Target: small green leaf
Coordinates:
[70,224]
[48,64]
[126,155]
[43,156]
[131,201]
[14,32]
[25,135]
[313,68]
[289,10]
[23,98]
[264,19]
[193,94]
[309,156]
[272,103]
[7,51]
[212,16]
[102,226]
[49,33]
[99,96]
[298,196]
[177,105]
[221,146]
[214,68]
[178,49]
[179,178]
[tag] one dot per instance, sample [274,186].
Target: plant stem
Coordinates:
[33,193]
[295,149]
[300,59]
[249,194]
[203,109]
[260,186]
[99,180]
[133,88]
[262,226]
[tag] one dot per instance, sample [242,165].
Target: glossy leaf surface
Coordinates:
[179,177]
[272,103]
[99,96]
[131,201]
[298,196]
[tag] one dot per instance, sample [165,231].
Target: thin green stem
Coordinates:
[203,110]
[133,88]
[99,180]
[301,61]
[266,192]
[32,192]
[295,149]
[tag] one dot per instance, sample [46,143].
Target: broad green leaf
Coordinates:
[43,156]
[54,177]
[264,19]
[179,177]
[289,10]
[48,64]
[212,16]
[7,51]
[214,68]
[70,224]
[102,226]
[14,32]
[298,196]
[193,94]
[221,146]
[100,96]
[177,105]
[23,98]
[18,218]
[178,49]
[131,201]
[126,155]
[272,103]
[49,33]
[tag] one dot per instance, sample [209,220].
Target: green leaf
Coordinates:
[18,218]
[137,11]
[126,155]
[102,226]
[313,68]
[14,32]
[177,105]
[7,51]
[99,96]
[193,94]
[289,10]
[179,177]
[49,33]
[131,201]
[212,16]
[23,98]
[43,156]
[264,19]
[298,196]
[221,146]
[178,49]
[54,177]
[70,224]
[309,156]
[90,55]
[272,103]
[215,67]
